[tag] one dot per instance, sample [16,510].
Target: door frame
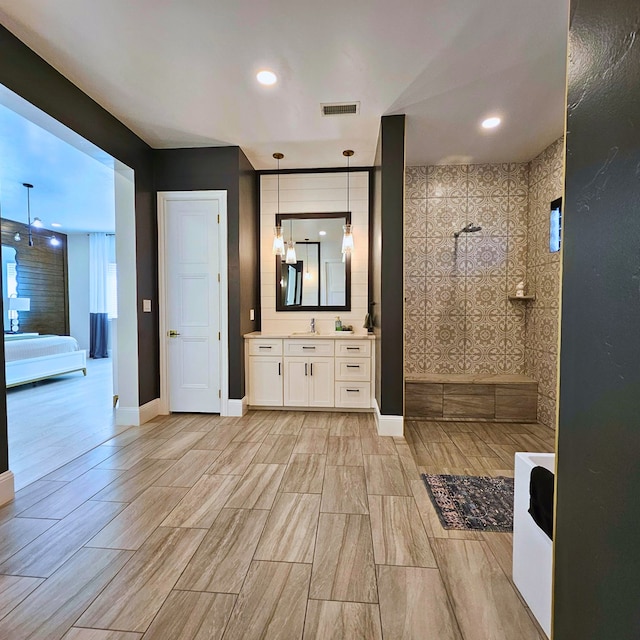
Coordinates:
[163,198]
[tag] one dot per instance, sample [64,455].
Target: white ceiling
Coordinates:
[181,73]
[70,187]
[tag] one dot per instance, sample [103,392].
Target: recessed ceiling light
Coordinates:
[56,224]
[266,77]
[322,233]
[491,123]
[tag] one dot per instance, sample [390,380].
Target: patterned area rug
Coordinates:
[472,503]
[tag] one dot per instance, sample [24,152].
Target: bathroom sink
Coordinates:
[305,333]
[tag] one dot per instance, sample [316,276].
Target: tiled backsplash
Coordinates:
[543,269]
[458,317]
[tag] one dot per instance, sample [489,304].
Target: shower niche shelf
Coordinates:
[513,297]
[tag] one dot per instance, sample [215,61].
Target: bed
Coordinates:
[31,357]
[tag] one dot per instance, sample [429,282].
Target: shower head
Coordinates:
[470,228]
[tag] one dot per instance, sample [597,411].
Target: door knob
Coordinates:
[172,333]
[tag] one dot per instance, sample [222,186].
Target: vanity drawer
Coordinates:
[265,347]
[355,395]
[308,347]
[353,369]
[353,347]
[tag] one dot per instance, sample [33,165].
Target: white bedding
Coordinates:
[23,349]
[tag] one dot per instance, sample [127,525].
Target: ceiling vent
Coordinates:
[340,108]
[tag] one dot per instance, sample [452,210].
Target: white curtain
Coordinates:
[100,251]
[98,269]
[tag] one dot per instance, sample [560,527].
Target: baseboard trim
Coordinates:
[150,410]
[7,487]
[135,416]
[237,408]
[128,416]
[388,425]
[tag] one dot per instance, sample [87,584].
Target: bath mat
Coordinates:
[472,503]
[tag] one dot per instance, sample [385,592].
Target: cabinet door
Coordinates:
[265,381]
[321,377]
[296,382]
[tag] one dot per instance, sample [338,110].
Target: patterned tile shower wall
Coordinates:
[543,272]
[457,315]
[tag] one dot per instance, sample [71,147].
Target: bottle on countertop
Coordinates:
[338,324]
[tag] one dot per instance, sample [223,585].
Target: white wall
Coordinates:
[314,193]
[78,269]
[125,375]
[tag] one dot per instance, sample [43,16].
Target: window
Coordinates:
[555,230]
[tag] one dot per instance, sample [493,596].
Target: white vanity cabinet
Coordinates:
[353,374]
[265,373]
[308,382]
[313,372]
[308,378]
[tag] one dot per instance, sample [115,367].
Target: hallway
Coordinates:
[277,524]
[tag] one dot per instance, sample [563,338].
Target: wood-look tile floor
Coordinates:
[48,421]
[284,525]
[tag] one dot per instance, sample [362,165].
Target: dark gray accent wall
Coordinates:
[386,252]
[597,550]
[28,75]
[225,168]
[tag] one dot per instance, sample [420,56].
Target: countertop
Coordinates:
[336,335]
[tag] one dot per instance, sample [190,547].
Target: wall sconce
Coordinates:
[278,240]
[15,305]
[347,238]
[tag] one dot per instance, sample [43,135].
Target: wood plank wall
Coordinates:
[42,277]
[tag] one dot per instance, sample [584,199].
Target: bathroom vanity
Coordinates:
[321,371]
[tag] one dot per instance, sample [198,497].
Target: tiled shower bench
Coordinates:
[500,398]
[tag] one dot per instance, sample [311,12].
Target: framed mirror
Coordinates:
[320,278]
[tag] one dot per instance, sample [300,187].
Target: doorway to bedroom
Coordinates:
[64,205]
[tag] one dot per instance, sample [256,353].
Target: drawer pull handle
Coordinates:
[263,347]
[353,390]
[279,368]
[353,348]
[353,366]
[305,368]
[312,368]
[308,347]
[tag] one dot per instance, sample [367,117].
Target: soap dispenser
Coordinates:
[338,324]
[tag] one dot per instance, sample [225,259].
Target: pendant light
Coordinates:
[278,240]
[291,247]
[347,238]
[307,274]
[28,187]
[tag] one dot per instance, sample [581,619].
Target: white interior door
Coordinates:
[335,282]
[193,304]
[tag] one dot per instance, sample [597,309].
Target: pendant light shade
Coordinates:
[291,257]
[278,240]
[347,237]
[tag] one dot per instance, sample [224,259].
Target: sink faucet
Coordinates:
[313,325]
